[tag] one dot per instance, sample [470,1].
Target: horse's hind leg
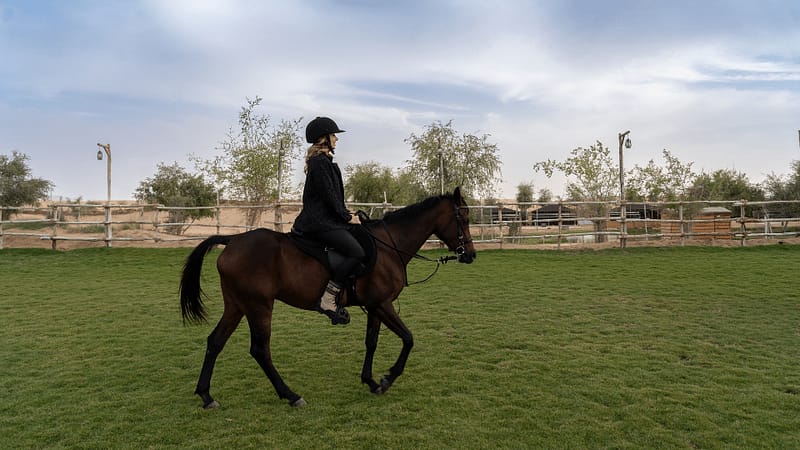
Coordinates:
[260,330]
[215,343]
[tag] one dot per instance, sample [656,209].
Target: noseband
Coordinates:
[460,224]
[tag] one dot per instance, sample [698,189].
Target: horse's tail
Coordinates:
[192,307]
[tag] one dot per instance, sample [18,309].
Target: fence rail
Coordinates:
[557,223]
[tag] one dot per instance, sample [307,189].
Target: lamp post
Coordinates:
[626,141]
[107,149]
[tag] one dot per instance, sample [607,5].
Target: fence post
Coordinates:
[623,236]
[560,224]
[500,222]
[680,217]
[482,220]
[55,227]
[107,207]
[742,223]
[1,227]
[278,218]
[157,234]
[218,213]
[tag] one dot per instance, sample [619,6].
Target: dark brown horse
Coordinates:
[261,266]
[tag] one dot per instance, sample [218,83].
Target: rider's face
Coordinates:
[333,139]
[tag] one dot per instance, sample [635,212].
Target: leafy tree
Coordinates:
[660,183]
[172,185]
[784,187]
[17,187]
[257,159]
[594,173]
[725,184]
[524,195]
[469,161]
[545,196]
[593,178]
[367,182]
[407,189]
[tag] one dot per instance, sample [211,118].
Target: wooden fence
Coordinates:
[559,224]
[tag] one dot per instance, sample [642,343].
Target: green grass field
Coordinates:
[639,348]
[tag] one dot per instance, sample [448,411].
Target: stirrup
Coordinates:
[340,316]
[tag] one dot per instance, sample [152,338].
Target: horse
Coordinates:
[260,266]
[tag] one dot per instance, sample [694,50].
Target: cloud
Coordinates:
[710,81]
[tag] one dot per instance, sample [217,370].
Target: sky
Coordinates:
[716,83]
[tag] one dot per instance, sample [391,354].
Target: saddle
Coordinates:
[331,259]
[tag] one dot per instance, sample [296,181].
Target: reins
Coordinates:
[439,261]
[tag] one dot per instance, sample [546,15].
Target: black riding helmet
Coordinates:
[319,127]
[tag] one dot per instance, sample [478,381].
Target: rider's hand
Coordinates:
[354,219]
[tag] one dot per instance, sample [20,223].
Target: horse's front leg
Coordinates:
[371,341]
[388,316]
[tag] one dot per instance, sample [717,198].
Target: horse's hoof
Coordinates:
[378,390]
[298,403]
[212,405]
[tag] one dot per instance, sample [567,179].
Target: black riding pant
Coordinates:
[346,244]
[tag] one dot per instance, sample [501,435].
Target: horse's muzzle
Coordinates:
[466,257]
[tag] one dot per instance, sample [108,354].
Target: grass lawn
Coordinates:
[638,348]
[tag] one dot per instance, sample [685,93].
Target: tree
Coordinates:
[468,161]
[407,189]
[594,178]
[725,184]
[545,196]
[784,187]
[257,159]
[172,185]
[17,187]
[595,174]
[368,182]
[524,195]
[656,183]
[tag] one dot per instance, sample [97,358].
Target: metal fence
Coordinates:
[557,224]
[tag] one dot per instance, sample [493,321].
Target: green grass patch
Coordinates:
[637,348]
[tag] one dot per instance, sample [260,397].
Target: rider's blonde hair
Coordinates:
[321,146]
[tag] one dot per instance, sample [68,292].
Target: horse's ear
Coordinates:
[457,195]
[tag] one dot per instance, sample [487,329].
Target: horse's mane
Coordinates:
[413,211]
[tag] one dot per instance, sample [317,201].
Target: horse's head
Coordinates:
[454,229]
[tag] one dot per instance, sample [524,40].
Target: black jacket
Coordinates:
[323,198]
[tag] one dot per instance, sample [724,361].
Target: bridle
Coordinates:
[462,243]
[459,250]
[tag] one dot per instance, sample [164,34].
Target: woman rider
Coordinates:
[324,216]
